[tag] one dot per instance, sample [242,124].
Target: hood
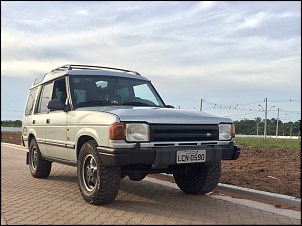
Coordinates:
[154,115]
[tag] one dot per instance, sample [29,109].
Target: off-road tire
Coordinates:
[39,168]
[200,180]
[98,184]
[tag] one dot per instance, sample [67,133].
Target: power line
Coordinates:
[288,100]
[242,114]
[234,106]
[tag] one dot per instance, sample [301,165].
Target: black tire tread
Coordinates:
[43,168]
[109,180]
[208,179]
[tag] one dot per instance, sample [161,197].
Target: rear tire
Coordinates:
[39,168]
[200,180]
[98,184]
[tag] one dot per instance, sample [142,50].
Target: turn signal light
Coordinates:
[117,132]
[233,131]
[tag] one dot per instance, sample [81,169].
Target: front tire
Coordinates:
[39,168]
[200,179]
[98,184]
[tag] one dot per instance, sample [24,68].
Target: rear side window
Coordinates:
[30,101]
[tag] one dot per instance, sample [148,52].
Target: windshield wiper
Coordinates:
[93,103]
[136,103]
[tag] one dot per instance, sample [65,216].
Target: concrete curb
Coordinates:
[282,199]
[14,145]
[241,201]
[3,222]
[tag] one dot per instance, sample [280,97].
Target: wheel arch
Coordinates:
[31,136]
[82,140]
[84,135]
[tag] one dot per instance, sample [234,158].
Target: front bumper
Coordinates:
[162,157]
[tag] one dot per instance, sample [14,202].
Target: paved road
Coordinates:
[57,200]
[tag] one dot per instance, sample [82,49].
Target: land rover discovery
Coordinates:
[111,123]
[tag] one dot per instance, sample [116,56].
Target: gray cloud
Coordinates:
[230,50]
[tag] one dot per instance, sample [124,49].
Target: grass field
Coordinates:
[269,142]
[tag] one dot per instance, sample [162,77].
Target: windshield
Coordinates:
[107,90]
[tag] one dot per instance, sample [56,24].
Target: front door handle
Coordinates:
[48,121]
[34,121]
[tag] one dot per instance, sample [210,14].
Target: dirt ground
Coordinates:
[266,169]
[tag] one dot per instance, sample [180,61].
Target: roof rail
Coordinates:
[91,67]
[38,80]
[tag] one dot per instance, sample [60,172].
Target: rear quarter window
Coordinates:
[30,101]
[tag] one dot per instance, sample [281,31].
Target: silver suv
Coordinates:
[111,123]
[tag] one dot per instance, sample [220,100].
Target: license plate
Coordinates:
[190,156]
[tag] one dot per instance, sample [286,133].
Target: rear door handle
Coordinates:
[34,121]
[48,121]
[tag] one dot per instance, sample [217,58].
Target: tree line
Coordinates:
[256,127]
[11,123]
[245,126]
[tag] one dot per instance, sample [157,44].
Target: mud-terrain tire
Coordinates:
[98,184]
[200,180]
[39,168]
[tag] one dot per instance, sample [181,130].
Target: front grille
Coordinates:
[178,133]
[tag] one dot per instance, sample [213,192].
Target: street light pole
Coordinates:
[290,131]
[265,118]
[265,114]
[277,124]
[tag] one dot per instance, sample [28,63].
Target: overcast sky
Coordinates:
[232,55]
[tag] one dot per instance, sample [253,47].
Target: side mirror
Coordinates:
[169,106]
[55,105]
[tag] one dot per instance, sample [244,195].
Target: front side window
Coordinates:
[59,92]
[45,97]
[108,90]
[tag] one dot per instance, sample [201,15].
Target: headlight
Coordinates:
[137,132]
[226,131]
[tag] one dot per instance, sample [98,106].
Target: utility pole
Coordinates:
[277,124]
[265,113]
[290,131]
[200,104]
[265,118]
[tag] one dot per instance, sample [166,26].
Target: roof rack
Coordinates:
[91,67]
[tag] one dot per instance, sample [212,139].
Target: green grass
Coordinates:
[269,142]
[11,132]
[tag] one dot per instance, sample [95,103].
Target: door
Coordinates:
[51,124]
